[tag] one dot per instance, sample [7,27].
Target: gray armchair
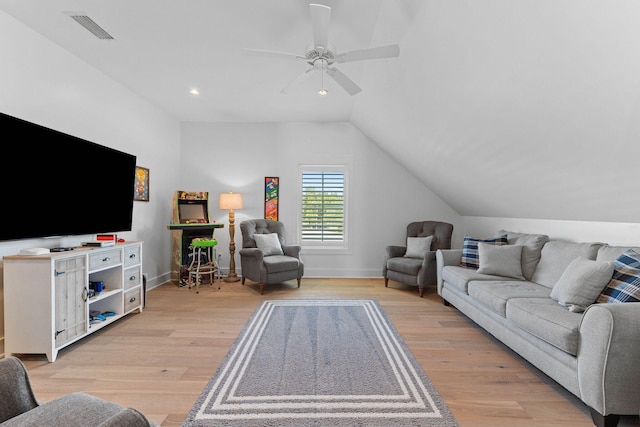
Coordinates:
[417,268]
[268,261]
[20,407]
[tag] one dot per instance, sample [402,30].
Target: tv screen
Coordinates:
[61,185]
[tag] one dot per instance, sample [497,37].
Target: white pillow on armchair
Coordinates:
[417,247]
[269,244]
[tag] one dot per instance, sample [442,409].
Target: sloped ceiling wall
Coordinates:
[521,109]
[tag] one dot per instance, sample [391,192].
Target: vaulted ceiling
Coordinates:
[526,108]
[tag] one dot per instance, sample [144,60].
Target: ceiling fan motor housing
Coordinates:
[319,56]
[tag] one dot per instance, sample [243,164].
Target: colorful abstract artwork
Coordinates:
[271,185]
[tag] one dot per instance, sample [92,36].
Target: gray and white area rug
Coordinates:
[321,362]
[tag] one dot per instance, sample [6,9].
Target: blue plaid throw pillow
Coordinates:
[624,286]
[470,249]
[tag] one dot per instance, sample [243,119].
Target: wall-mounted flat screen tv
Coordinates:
[55,184]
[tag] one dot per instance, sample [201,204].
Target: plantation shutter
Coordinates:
[323,206]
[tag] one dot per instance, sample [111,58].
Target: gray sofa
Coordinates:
[592,353]
[20,408]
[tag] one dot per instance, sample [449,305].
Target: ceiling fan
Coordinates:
[322,56]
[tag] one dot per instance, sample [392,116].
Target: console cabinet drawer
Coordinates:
[132,255]
[105,259]
[132,299]
[132,277]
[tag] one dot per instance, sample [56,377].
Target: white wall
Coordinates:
[384,197]
[42,83]
[613,233]
[517,109]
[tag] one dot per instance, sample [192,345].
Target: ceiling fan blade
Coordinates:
[272,54]
[389,51]
[297,80]
[320,19]
[344,81]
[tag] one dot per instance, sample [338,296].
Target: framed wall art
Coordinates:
[271,188]
[141,187]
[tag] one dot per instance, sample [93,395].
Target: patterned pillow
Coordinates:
[624,285]
[470,249]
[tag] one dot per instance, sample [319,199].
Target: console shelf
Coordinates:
[104,294]
[46,296]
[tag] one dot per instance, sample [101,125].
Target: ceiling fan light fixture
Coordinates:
[322,91]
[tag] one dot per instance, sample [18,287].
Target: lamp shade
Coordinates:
[230,201]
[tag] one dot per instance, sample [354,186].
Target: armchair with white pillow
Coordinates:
[414,264]
[264,257]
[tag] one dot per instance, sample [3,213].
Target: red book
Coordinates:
[106,237]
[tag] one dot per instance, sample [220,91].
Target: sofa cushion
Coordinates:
[624,285]
[459,277]
[470,249]
[417,247]
[531,249]
[500,260]
[495,294]
[547,320]
[581,283]
[556,256]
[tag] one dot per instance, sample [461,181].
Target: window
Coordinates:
[323,206]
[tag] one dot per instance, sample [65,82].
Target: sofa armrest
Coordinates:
[608,374]
[446,257]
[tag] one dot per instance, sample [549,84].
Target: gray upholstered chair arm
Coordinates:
[252,252]
[608,358]
[128,417]
[292,250]
[446,257]
[16,395]
[395,251]
[78,409]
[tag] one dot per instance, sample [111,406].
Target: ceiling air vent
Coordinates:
[88,23]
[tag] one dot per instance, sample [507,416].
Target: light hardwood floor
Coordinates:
[160,360]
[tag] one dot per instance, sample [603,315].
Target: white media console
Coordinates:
[47,302]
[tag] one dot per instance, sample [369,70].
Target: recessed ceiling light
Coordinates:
[194,91]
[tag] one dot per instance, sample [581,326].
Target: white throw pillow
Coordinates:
[581,283]
[269,244]
[500,260]
[417,247]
